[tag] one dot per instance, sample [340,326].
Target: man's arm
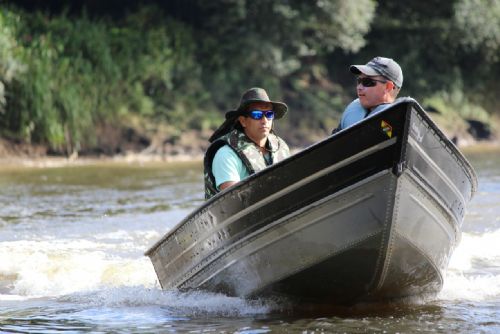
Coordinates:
[227,168]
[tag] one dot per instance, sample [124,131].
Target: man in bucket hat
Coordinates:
[245,143]
[378,85]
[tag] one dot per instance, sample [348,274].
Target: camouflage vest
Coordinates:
[247,151]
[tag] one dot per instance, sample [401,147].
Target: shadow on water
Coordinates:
[396,308]
[389,317]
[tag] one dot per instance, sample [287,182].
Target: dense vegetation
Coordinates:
[73,74]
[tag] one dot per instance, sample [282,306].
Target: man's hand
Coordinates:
[227,184]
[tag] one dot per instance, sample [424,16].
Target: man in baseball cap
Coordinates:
[378,85]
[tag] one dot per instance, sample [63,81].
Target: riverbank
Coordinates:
[139,144]
[16,159]
[15,155]
[121,147]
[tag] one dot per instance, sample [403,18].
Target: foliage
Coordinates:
[454,110]
[9,65]
[478,22]
[477,25]
[263,42]
[180,64]
[82,72]
[456,105]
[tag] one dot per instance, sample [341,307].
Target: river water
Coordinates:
[71,260]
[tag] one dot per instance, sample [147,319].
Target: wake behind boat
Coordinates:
[371,213]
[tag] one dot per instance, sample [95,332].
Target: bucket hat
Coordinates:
[253,95]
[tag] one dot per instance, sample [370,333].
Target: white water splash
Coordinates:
[55,268]
[474,269]
[485,247]
[187,303]
[473,288]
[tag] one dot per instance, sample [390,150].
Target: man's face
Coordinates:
[257,129]
[373,92]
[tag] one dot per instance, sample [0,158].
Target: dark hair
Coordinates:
[237,125]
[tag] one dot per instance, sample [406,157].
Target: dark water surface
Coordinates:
[71,260]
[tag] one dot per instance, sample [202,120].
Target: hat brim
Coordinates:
[366,70]
[279,108]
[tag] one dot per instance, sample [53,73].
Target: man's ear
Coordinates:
[390,86]
[242,120]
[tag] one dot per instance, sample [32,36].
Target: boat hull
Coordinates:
[371,213]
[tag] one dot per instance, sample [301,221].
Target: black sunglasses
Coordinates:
[258,114]
[368,82]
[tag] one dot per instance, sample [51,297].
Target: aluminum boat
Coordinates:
[371,213]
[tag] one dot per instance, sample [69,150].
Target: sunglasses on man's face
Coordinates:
[368,82]
[258,114]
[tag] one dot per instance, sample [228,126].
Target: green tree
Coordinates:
[9,52]
[478,24]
